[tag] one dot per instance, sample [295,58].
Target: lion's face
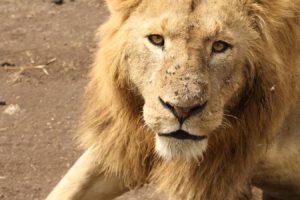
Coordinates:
[189,63]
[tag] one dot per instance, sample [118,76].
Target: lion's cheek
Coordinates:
[205,124]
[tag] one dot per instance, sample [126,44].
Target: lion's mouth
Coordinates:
[182,135]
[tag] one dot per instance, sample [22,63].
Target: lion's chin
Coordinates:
[171,148]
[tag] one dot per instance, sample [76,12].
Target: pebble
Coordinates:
[12,109]
[58,2]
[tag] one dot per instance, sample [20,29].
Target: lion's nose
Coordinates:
[183,113]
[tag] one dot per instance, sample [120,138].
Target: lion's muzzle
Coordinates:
[183,113]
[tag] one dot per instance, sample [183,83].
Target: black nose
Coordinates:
[183,113]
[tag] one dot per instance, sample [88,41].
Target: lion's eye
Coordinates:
[220,47]
[157,40]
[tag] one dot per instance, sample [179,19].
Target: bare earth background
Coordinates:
[45,51]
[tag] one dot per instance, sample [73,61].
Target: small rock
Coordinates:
[2,103]
[12,109]
[2,130]
[58,2]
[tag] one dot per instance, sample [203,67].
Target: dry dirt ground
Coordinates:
[45,51]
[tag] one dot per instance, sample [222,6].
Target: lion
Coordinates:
[198,98]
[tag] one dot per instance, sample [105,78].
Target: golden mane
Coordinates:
[113,109]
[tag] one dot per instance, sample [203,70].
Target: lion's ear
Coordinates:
[122,6]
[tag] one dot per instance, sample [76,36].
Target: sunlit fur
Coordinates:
[122,114]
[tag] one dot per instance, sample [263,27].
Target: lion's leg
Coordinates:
[268,197]
[83,182]
[245,194]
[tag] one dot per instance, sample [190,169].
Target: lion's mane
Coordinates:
[112,122]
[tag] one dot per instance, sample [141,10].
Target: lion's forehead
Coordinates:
[178,19]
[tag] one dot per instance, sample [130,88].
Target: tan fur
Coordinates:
[240,120]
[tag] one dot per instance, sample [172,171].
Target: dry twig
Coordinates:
[23,68]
